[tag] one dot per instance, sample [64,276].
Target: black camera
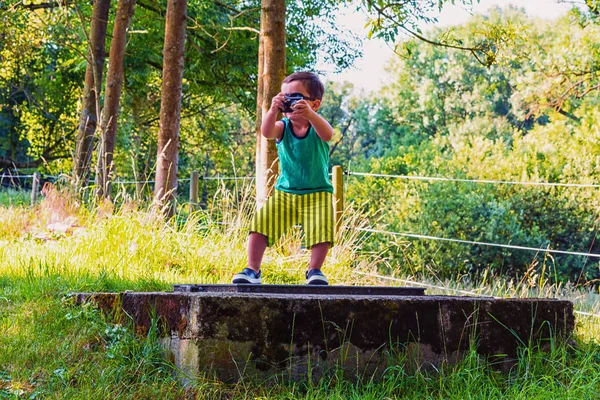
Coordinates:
[290,101]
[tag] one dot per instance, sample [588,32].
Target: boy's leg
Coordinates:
[268,224]
[257,243]
[317,221]
[256,248]
[316,215]
[314,276]
[318,255]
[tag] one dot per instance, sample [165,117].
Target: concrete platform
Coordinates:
[234,333]
[304,289]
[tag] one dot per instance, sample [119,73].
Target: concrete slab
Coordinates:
[304,289]
[230,334]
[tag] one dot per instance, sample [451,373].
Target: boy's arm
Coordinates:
[320,124]
[270,127]
[322,127]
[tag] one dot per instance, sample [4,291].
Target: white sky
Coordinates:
[368,72]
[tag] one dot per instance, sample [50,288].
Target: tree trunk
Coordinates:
[90,110]
[259,170]
[170,107]
[271,71]
[114,83]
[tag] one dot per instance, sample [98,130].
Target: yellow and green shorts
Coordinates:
[313,211]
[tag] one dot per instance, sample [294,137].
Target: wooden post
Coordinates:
[35,188]
[338,196]
[194,190]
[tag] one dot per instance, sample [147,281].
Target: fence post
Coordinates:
[35,188]
[194,190]
[338,195]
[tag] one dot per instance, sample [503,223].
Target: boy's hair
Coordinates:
[311,82]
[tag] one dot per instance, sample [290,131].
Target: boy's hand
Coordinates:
[277,102]
[303,109]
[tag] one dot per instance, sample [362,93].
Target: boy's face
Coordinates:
[298,87]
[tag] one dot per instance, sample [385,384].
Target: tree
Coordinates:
[570,62]
[38,85]
[271,67]
[446,115]
[170,107]
[389,19]
[220,78]
[110,112]
[91,93]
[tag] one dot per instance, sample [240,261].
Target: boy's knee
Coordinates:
[321,246]
[258,236]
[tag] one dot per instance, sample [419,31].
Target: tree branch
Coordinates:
[568,115]
[342,134]
[6,162]
[401,25]
[596,87]
[33,7]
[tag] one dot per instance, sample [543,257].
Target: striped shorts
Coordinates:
[314,211]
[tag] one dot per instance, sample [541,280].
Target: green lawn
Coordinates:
[52,348]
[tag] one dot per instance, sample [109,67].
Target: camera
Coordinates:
[290,100]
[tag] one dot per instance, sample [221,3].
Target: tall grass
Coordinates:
[14,197]
[51,348]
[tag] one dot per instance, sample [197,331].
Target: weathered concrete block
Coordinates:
[228,334]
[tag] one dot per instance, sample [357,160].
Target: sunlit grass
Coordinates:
[209,246]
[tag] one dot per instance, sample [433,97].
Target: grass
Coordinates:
[13,197]
[51,348]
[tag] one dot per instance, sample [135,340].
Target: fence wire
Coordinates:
[471,242]
[392,176]
[495,182]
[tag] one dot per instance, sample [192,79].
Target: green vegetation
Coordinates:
[530,116]
[52,348]
[13,197]
[42,69]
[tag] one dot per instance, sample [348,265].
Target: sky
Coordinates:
[368,72]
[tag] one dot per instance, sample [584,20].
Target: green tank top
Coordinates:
[303,162]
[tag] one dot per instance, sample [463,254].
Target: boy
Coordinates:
[303,192]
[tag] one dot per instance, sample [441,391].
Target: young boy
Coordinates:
[303,192]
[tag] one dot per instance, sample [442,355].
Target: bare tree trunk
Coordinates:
[260,171]
[271,71]
[88,121]
[114,84]
[170,107]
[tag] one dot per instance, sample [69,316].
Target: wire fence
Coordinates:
[8,178]
[484,181]
[472,242]
[475,181]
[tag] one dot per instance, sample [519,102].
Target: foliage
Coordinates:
[42,66]
[571,66]
[445,115]
[39,83]
[391,21]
